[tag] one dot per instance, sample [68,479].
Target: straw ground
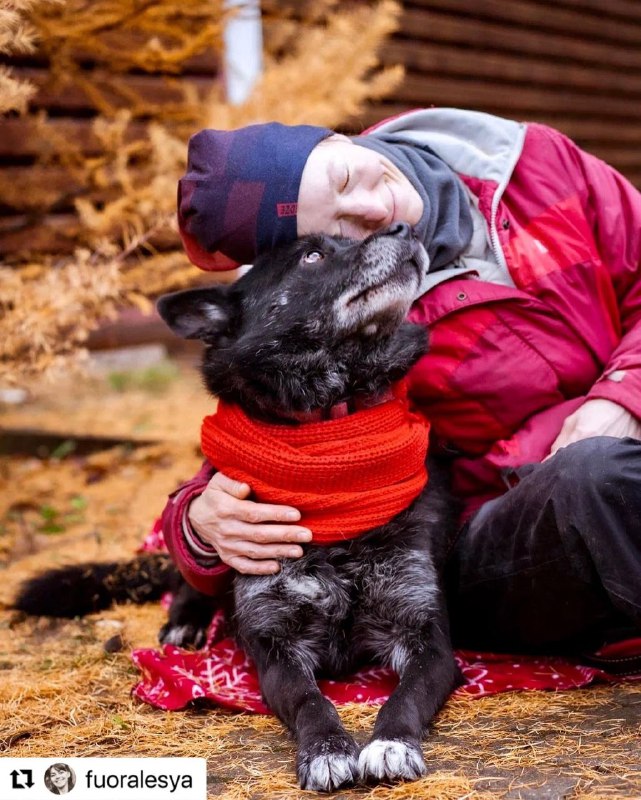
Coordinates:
[63,694]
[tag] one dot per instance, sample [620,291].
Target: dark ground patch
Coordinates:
[532,746]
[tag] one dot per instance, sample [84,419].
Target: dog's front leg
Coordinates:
[428,673]
[327,755]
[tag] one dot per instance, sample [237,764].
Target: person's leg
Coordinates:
[555,563]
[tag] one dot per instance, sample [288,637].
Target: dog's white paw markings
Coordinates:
[333,765]
[330,772]
[384,760]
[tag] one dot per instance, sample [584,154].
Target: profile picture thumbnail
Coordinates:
[60,778]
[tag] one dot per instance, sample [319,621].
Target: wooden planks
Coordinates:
[628,10]
[583,21]
[524,100]
[21,138]
[118,91]
[494,34]
[573,64]
[503,67]
[21,234]
[26,188]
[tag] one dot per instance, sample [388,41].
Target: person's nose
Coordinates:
[366,207]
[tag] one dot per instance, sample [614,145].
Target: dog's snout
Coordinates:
[401,230]
[398,230]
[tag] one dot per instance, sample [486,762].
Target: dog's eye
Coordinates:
[312,256]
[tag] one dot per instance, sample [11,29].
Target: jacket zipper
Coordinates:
[497,249]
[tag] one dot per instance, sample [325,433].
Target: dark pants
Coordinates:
[554,565]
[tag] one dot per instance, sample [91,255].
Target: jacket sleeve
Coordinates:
[613,209]
[209,575]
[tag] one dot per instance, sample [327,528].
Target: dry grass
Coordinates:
[63,695]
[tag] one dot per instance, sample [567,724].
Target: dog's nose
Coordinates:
[401,230]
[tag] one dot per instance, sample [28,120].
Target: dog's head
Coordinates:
[311,324]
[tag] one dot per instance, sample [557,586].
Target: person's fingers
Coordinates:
[254,513]
[250,567]
[229,497]
[271,534]
[565,437]
[230,486]
[242,531]
[262,552]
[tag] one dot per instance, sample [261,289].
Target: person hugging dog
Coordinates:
[532,381]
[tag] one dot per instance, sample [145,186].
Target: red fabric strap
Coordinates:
[345,475]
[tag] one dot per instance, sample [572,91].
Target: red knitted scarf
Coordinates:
[345,475]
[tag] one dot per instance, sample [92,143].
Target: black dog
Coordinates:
[315,324]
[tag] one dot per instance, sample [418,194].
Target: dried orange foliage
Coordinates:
[160,36]
[325,61]
[118,36]
[14,94]
[320,68]
[17,35]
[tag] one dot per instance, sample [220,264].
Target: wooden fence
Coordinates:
[573,64]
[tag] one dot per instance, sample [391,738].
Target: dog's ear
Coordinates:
[198,313]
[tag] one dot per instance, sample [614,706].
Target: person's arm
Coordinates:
[613,208]
[209,575]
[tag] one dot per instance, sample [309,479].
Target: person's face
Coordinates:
[348,190]
[59,777]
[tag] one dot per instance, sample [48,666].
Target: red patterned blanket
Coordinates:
[221,672]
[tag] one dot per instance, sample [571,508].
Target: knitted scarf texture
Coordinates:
[346,476]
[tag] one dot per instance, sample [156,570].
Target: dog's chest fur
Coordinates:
[337,604]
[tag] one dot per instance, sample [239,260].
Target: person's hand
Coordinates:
[248,536]
[597,418]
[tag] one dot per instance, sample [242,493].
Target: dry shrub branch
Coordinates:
[17,35]
[321,67]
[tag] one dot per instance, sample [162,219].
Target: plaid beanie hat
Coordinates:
[239,195]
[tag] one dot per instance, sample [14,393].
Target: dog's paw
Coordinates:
[191,636]
[388,761]
[329,764]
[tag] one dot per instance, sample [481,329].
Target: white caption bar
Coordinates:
[103,778]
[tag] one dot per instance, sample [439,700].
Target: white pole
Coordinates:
[243,57]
